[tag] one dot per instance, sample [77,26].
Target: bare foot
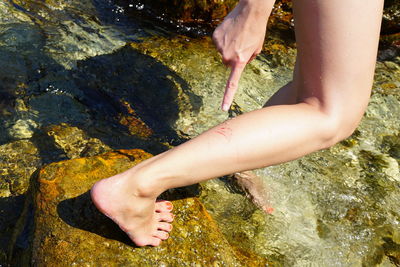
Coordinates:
[254,186]
[145,220]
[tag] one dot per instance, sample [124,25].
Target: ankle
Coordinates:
[147,182]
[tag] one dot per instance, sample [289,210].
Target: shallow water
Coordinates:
[75,75]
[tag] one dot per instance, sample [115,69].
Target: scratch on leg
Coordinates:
[225,132]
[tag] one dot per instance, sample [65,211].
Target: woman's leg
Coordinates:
[286,95]
[337,45]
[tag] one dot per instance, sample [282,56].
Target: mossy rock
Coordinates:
[391,17]
[204,12]
[68,229]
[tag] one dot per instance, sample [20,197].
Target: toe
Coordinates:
[147,241]
[161,235]
[153,241]
[163,206]
[268,209]
[164,226]
[165,217]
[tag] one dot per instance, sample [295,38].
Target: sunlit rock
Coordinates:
[23,129]
[18,161]
[391,17]
[15,170]
[206,13]
[198,63]
[74,142]
[70,231]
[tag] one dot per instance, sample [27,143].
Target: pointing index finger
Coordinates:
[232,85]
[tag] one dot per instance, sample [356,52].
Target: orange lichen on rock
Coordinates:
[70,231]
[135,125]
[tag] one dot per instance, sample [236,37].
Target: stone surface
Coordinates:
[212,12]
[64,68]
[69,231]
[15,170]
[197,62]
[18,161]
[74,142]
[391,17]
[206,13]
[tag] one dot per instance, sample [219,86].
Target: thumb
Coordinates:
[232,85]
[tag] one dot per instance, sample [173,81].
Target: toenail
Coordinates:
[169,205]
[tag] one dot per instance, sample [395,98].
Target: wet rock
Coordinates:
[134,124]
[66,25]
[23,129]
[74,142]
[386,80]
[191,10]
[345,195]
[197,62]
[18,161]
[206,13]
[69,230]
[211,13]
[391,17]
[15,170]
[10,210]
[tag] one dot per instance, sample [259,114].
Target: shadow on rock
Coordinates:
[80,212]
[153,91]
[10,210]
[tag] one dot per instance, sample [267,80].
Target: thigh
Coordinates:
[337,46]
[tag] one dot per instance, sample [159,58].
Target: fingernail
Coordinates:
[225,107]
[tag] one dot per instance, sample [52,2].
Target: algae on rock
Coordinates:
[69,230]
[197,62]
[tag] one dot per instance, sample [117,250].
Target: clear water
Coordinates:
[74,65]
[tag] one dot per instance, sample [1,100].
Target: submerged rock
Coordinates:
[194,13]
[70,231]
[74,142]
[391,17]
[197,63]
[18,161]
[15,170]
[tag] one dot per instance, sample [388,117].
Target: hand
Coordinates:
[239,39]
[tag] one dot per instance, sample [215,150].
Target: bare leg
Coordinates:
[337,46]
[255,188]
[287,95]
[248,180]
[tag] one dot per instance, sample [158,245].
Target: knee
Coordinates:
[337,127]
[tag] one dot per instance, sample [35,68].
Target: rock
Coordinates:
[15,170]
[391,17]
[206,13]
[193,10]
[18,161]
[74,142]
[23,129]
[70,231]
[134,124]
[197,63]
[66,24]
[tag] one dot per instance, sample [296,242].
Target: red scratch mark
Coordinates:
[225,131]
